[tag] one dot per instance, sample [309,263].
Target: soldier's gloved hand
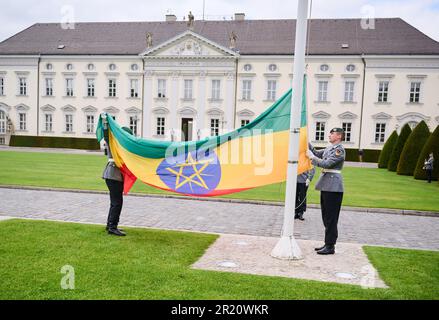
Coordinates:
[307,182]
[310,154]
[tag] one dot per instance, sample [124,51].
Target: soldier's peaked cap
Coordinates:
[337,130]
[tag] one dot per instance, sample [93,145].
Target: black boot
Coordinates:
[301,216]
[107,227]
[116,232]
[328,249]
[296,216]
[319,248]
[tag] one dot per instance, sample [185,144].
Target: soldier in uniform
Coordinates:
[114,180]
[330,184]
[303,181]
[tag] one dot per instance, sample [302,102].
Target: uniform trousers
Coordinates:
[116,201]
[330,203]
[301,189]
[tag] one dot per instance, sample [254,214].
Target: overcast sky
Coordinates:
[17,15]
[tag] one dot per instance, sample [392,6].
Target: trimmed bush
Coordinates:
[412,148]
[387,150]
[54,142]
[432,145]
[397,149]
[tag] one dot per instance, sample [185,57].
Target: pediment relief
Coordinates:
[22,107]
[187,111]
[347,115]
[133,110]
[412,116]
[4,106]
[215,112]
[321,115]
[111,110]
[160,110]
[68,108]
[245,113]
[381,116]
[90,109]
[48,108]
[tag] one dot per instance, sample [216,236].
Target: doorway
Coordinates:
[186,129]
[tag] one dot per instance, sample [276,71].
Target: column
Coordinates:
[200,124]
[230,101]
[147,101]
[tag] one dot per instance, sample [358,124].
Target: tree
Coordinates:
[397,149]
[386,152]
[432,145]
[412,148]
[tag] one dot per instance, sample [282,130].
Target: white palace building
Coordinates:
[183,81]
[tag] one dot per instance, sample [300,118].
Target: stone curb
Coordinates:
[241,201]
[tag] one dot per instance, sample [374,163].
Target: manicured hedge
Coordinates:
[54,142]
[386,152]
[397,149]
[432,145]
[412,148]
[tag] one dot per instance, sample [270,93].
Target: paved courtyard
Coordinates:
[220,217]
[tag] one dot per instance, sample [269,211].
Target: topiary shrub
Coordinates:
[432,145]
[412,148]
[54,142]
[397,149]
[386,152]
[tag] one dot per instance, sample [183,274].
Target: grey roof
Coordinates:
[391,36]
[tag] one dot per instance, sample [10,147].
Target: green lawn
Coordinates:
[154,264]
[365,187]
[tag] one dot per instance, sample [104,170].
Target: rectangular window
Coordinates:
[48,122]
[90,87]
[22,121]
[2,86]
[214,127]
[22,86]
[216,89]
[90,123]
[383,91]
[69,122]
[133,124]
[160,126]
[111,87]
[323,91]
[246,89]
[49,87]
[320,131]
[161,88]
[271,90]
[2,122]
[188,89]
[380,132]
[69,87]
[347,127]
[134,88]
[349,91]
[244,122]
[415,89]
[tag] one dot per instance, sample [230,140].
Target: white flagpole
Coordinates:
[287,247]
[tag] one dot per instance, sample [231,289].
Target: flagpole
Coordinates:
[287,247]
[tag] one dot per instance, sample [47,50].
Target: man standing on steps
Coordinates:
[330,184]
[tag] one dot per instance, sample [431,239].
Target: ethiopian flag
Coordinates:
[248,157]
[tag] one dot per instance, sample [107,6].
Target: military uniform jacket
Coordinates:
[332,158]
[111,171]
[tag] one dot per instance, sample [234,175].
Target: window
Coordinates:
[246,89]
[272,67]
[90,123]
[22,86]
[2,122]
[349,91]
[161,88]
[347,127]
[112,87]
[380,132]
[134,88]
[247,67]
[2,86]
[216,87]
[324,67]
[320,131]
[69,66]
[244,122]
[160,126]
[112,67]
[69,87]
[271,90]
[90,87]
[49,87]
[323,91]
[134,67]
[48,120]
[188,89]
[383,91]
[69,122]
[133,124]
[415,89]
[214,127]
[49,66]
[22,121]
[90,67]
[350,67]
